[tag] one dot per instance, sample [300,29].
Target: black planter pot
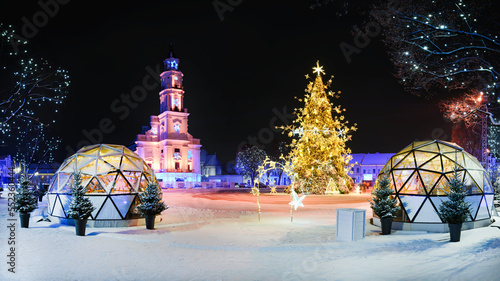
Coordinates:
[25,219]
[455,230]
[80,226]
[150,221]
[386,225]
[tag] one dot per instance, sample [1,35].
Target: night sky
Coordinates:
[236,71]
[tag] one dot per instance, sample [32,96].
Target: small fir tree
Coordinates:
[25,201]
[80,207]
[383,205]
[151,203]
[456,209]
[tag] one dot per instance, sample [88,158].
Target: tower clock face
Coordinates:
[176,102]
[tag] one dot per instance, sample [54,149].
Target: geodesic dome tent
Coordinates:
[420,173]
[113,176]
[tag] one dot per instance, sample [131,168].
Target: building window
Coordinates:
[177,165]
[177,154]
[357,170]
[373,171]
[364,171]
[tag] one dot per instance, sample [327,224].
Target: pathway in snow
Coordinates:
[203,237]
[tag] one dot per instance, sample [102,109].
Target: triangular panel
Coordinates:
[424,157]
[483,212]
[128,165]
[489,202]
[413,185]
[121,185]
[108,211]
[107,181]
[470,185]
[58,209]
[432,147]
[54,186]
[411,204]
[97,203]
[103,167]
[51,198]
[95,187]
[487,185]
[474,200]
[89,168]
[429,179]
[438,200]
[65,201]
[133,178]
[433,165]
[400,177]
[427,213]
[397,158]
[407,163]
[123,203]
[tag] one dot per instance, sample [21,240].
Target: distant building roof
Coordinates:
[370,158]
[212,160]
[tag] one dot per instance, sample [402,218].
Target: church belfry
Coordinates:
[172,93]
[168,147]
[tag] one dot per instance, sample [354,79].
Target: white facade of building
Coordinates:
[168,147]
[367,166]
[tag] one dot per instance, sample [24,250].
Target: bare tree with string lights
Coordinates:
[31,94]
[446,47]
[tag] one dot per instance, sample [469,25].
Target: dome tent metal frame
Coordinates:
[419,177]
[113,177]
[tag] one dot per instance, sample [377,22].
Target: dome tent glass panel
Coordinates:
[423,170]
[113,177]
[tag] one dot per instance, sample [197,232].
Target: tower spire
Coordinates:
[171,50]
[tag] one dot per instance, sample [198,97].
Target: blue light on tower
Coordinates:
[172,64]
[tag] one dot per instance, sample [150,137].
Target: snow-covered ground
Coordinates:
[216,236]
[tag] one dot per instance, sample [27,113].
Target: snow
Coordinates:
[206,235]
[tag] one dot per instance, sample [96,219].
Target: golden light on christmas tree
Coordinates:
[319,153]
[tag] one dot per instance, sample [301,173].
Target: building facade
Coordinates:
[167,146]
[367,166]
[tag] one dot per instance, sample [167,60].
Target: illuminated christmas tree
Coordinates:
[319,154]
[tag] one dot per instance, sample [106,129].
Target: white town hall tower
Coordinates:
[167,147]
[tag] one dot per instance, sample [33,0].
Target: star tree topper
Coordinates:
[296,200]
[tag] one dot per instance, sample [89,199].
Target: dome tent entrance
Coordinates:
[113,177]
[420,174]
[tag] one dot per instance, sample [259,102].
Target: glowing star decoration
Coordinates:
[177,128]
[296,200]
[318,69]
[154,131]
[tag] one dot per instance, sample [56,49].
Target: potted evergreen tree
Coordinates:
[80,207]
[151,204]
[455,210]
[25,201]
[383,205]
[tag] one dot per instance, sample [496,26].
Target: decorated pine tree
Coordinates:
[80,207]
[319,153]
[456,209]
[25,201]
[383,205]
[151,203]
